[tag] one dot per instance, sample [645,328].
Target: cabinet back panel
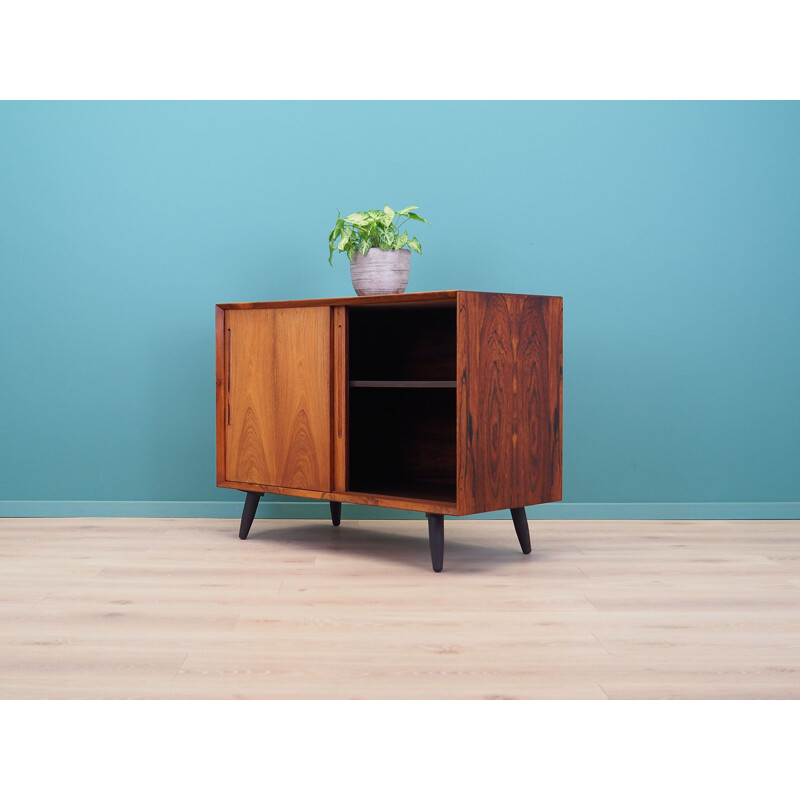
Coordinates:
[279,421]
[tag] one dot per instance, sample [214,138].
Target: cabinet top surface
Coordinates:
[443,297]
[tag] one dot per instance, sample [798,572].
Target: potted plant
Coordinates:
[379,251]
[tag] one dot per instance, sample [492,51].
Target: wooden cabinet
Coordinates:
[439,402]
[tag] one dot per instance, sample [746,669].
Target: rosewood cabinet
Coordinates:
[439,402]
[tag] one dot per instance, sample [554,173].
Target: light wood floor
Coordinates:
[180,608]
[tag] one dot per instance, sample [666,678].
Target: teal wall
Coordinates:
[672,230]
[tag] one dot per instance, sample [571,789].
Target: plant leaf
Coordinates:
[412,215]
[405,211]
[401,240]
[388,215]
[356,219]
[363,247]
[415,245]
[338,228]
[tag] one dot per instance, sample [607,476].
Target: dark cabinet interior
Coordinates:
[395,344]
[402,401]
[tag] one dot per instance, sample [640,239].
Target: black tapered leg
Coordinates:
[249,513]
[521,526]
[336,513]
[436,536]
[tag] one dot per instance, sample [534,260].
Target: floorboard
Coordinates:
[181,608]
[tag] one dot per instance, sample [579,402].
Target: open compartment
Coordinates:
[402,343]
[402,400]
[403,442]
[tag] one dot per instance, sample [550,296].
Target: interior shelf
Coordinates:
[403,384]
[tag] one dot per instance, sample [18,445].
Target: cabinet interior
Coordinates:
[402,400]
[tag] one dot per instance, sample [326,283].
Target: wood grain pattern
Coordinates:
[221,360]
[340,382]
[377,499]
[179,608]
[509,400]
[279,427]
[410,299]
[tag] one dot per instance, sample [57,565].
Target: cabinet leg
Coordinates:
[436,536]
[336,513]
[521,526]
[249,513]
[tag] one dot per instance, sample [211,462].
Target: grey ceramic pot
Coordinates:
[380,271]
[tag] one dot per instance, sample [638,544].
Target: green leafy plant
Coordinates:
[373,228]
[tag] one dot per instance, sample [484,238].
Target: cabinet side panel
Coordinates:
[509,401]
[556,409]
[222,394]
[537,402]
[279,430]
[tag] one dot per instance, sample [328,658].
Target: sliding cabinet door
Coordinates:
[278,419]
